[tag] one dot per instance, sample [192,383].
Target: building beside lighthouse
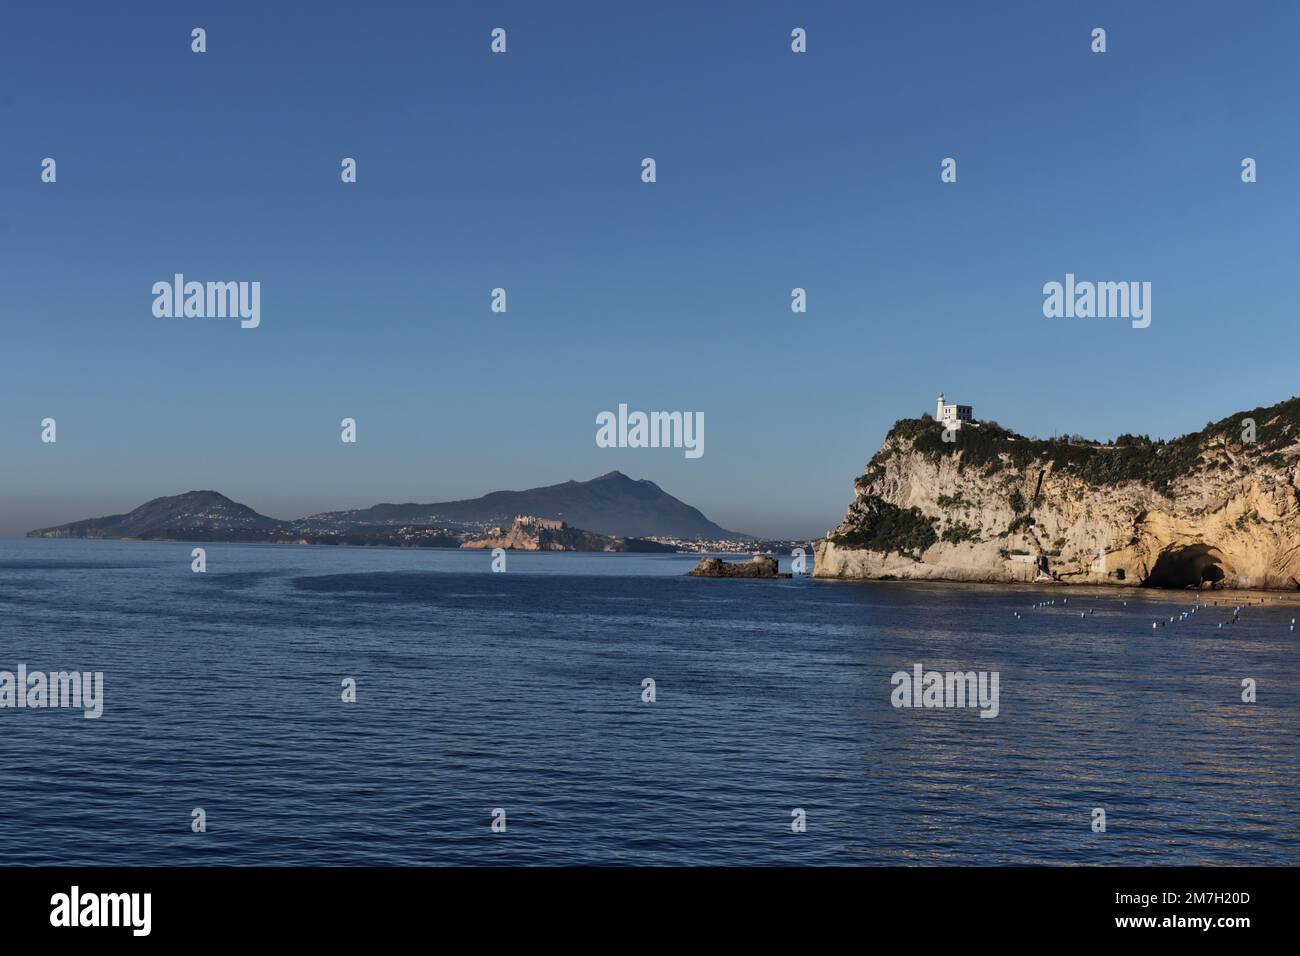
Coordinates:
[953,416]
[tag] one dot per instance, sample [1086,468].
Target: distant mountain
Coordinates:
[613,505]
[195,512]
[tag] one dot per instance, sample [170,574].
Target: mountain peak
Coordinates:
[611,504]
[189,513]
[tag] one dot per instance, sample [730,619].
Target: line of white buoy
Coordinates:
[1181,616]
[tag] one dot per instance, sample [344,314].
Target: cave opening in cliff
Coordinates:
[1191,566]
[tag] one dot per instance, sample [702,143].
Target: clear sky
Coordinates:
[522,171]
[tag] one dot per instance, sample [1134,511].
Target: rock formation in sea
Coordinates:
[759,566]
[1215,508]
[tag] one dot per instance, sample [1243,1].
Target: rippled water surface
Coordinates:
[522,691]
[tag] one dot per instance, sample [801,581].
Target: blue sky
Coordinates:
[775,170]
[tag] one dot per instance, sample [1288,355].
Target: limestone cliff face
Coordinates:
[1208,509]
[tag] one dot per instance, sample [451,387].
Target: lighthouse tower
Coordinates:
[953,416]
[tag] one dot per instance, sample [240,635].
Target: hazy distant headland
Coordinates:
[610,513]
[951,498]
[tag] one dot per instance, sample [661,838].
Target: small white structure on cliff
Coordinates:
[952,416]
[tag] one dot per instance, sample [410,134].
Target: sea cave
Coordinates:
[1188,566]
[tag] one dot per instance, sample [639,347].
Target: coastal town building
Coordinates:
[953,416]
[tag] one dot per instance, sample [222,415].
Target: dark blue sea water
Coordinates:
[522,691]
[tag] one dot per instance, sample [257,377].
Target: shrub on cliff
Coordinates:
[958,532]
[991,449]
[874,524]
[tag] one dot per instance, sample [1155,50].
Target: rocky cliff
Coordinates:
[1216,508]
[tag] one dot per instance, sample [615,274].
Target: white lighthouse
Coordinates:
[953,416]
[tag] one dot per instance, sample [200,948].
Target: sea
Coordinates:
[300,705]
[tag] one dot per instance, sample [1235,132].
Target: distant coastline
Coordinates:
[610,513]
